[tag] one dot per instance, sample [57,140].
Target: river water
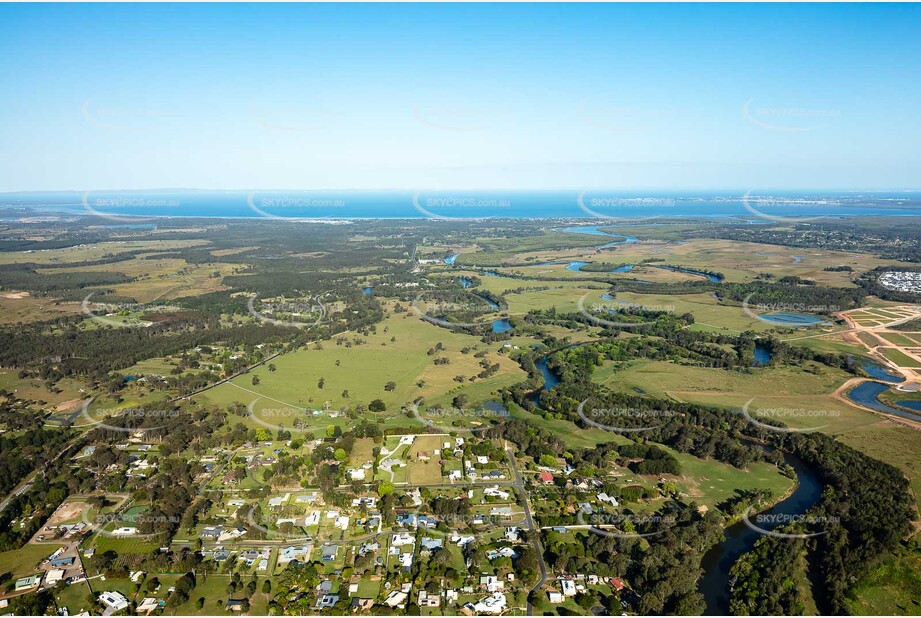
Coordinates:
[717,562]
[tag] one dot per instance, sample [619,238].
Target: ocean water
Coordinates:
[131,207]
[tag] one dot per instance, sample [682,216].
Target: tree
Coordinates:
[390,386]
[460,402]
[340,455]
[272,367]
[255,381]
[385,489]
[377,406]
[321,383]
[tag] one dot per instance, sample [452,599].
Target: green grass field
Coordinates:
[364,370]
[899,358]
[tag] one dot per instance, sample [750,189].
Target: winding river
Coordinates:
[739,538]
[717,562]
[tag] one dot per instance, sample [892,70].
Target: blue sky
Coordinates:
[441,96]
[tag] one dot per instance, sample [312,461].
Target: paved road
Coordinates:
[529,522]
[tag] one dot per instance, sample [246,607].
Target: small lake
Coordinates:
[501,326]
[465,282]
[791,319]
[867,395]
[575,266]
[762,355]
[451,259]
[623,269]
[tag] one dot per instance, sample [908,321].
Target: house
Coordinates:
[327,601]
[546,478]
[235,605]
[63,562]
[603,497]
[501,511]
[396,598]
[482,460]
[617,583]
[492,583]
[401,539]
[289,554]
[428,600]
[512,534]
[329,552]
[495,492]
[361,605]
[114,600]
[406,561]
[211,532]
[28,582]
[431,543]
[555,596]
[53,576]
[569,587]
[493,604]
[462,540]
[148,604]
[125,531]
[313,519]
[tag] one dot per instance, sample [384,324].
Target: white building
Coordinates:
[114,600]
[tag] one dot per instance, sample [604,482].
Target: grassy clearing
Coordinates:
[709,482]
[894,444]
[94,251]
[24,562]
[899,358]
[364,370]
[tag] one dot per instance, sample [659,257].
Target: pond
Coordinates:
[575,266]
[762,355]
[451,259]
[791,319]
[875,370]
[367,290]
[465,282]
[623,269]
[501,326]
[867,395]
